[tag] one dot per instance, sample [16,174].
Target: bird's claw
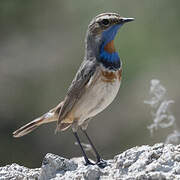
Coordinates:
[101,163]
[89,163]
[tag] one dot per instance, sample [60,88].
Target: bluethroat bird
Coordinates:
[95,85]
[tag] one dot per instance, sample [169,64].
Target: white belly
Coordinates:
[96,98]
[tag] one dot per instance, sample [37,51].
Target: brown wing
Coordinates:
[77,88]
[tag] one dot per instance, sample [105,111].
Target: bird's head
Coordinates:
[102,31]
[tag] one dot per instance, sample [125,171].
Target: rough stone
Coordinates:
[158,162]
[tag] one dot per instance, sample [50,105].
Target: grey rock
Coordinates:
[17,172]
[158,162]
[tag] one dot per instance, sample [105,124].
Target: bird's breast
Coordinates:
[111,76]
[100,92]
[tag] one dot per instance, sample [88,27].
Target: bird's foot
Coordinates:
[88,162]
[101,163]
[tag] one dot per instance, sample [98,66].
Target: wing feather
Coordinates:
[77,87]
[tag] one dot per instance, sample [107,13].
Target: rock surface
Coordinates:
[158,162]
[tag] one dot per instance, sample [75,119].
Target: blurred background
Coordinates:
[41,48]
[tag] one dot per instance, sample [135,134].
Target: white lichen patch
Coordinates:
[160,110]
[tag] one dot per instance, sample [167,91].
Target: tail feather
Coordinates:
[62,127]
[28,127]
[51,116]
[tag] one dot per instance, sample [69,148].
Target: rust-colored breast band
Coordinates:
[109,47]
[108,76]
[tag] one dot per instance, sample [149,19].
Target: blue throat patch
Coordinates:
[110,60]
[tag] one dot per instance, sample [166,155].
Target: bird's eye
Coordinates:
[105,22]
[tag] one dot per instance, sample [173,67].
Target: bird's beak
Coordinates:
[125,20]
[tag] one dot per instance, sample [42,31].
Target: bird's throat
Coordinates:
[108,56]
[109,47]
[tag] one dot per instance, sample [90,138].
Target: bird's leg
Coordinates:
[88,162]
[100,162]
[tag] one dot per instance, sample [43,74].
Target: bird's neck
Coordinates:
[92,47]
[103,50]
